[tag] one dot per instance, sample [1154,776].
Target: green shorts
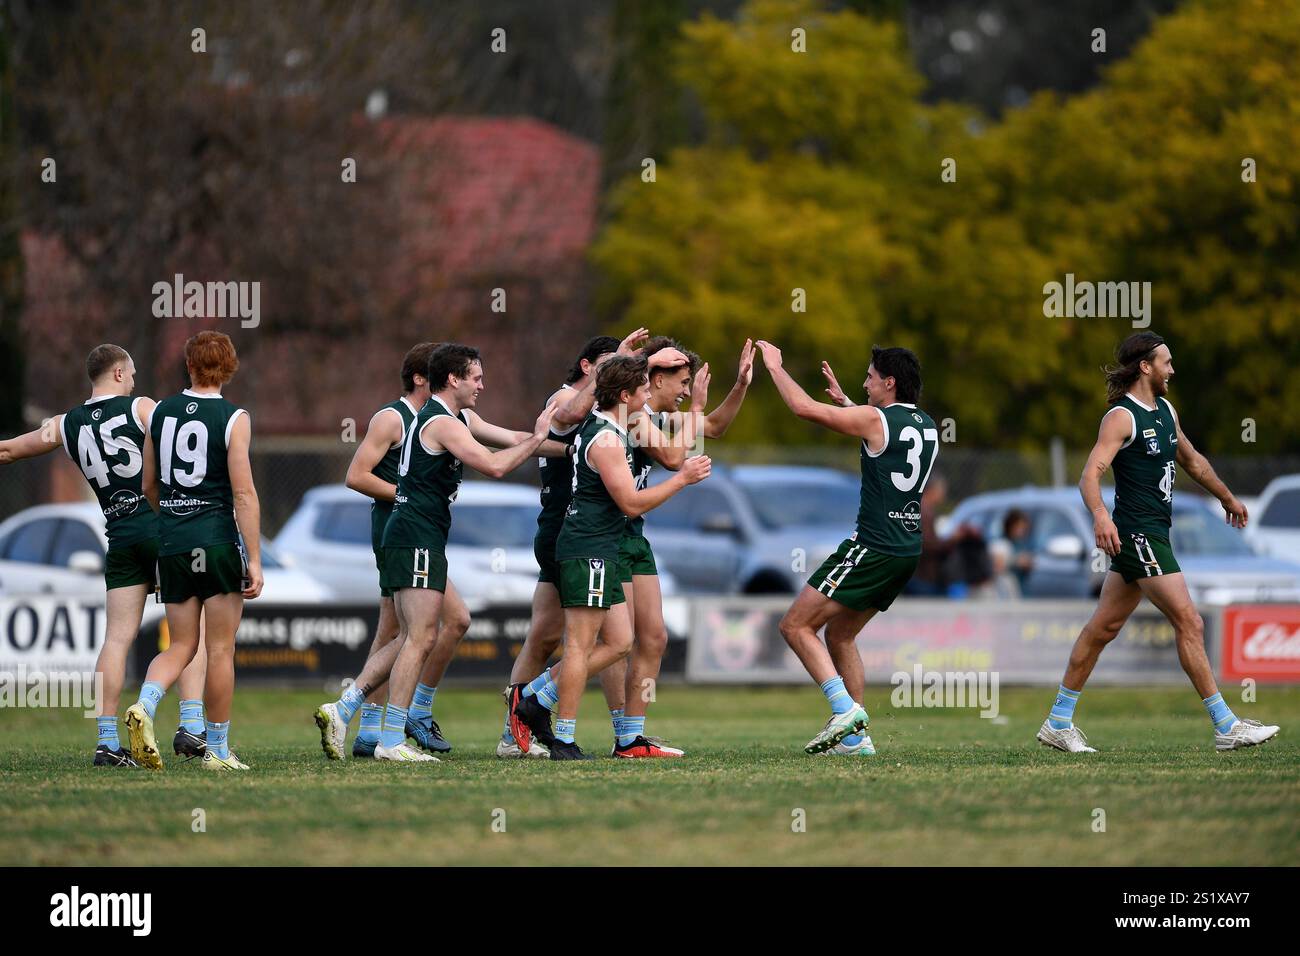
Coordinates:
[1143,556]
[544,552]
[132,564]
[414,568]
[860,578]
[202,573]
[635,557]
[379,565]
[590,582]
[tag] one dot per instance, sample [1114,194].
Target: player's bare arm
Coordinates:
[383,432]
[667,449]
[452,434]
[39,442]
[719,420]
[574,405]
[1200,470]
[610,461]
[1116,426]
[498,437]
[247,508]
[860,421]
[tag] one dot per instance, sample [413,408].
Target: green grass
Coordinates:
[946,788]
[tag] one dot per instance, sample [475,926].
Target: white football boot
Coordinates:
[212,762]
[333,730]
[403,753]
[1244,733]
[865,748]
[511,751]
[1070,739]
[837,728]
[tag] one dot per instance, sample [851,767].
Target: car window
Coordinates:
[675,512]
[343,522]
[707,503]
[1046,524]
[1283,511]
[493,526]
[1197,530]
[784,504]
[31,541]
[73,536]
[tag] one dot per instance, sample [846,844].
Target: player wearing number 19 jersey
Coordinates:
[104,437]
[1140,440]
[899,443]
[197,473]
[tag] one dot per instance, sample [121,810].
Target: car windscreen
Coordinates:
[1202,531]
[783,504]
[1283,511]
[493,526]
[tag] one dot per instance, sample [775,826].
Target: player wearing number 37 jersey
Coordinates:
[898,447]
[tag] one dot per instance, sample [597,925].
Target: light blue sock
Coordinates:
[394,731]
[506,735]
[150,694]
[421,711]
[564,729]
[372,722]
[841,702]
[218,739]
[192,716]
[631,729]
[1221,714]
[350,702]
[1062,714]
[537,683]
[616,717]
[852,740]
[107,727]
[549,695]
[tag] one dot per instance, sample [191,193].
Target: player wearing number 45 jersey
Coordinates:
[1140,440]
[898,447]
[197,474]
[104,436]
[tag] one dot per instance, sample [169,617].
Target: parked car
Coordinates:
[1274,527]
[59,549]
[753,529]
[489,555]
[1217,561]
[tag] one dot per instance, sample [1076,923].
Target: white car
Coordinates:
[489,554]
[59,550]
[1274,527]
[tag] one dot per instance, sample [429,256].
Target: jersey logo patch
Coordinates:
[95,414]
[1148,433]
[1153,446]
[191,408]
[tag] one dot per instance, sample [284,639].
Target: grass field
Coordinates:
[946,788]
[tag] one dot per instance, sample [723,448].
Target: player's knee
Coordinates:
[456,622]
[655,642]
[1103,632]
[789,628]
[1190,626]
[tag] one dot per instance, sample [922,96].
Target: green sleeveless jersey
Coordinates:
[105,439]
[387,470]
[426,486]
[557,482]
[641,465]
[593,526]
[191,433]
[889,516]
[1144,469]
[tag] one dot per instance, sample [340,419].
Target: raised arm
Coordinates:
[860,421]
[383,432]
[573,409]
[1116,426]
[39,442]
[247,509]
[452,435]
[719,420]
[833,387]
[1198,467]
[606,455]
[666,449]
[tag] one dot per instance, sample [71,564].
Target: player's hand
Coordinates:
[542,427]
[746,373]
[1107,535]
[255,580]
[696,469]
[667,358]
[771,354]
[1235,512]
[834,391]
[632,344]
[700,388]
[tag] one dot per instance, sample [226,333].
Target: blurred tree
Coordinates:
[11,258]
[822,173]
